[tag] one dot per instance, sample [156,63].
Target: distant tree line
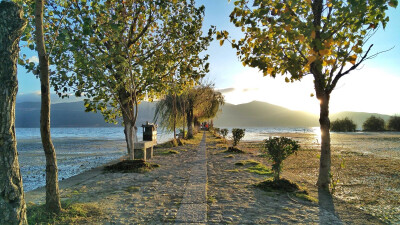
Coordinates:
[373,123]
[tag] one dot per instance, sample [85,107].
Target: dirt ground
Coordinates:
[367,189]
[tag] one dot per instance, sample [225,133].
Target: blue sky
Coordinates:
[372,88]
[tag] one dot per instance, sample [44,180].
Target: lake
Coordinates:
[81,149]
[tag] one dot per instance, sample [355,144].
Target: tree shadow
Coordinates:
[326,205]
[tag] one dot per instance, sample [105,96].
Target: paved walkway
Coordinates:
[193,209]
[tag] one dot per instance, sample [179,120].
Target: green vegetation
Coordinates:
[131,166]
[237,134]
[394,123]
[278,149]
[224,132]
[72,213]
[294,38]
[374,123]
[343,125]
[187,107]
[254,167]
[133,189]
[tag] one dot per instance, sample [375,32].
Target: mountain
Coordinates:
[72,115]
[262,114]
[253,114]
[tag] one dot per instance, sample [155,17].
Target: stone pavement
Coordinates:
[193,209]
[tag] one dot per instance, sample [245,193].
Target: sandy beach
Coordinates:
[366,192]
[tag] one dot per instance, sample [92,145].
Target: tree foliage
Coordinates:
[198,103]
[343,125]
[324,38]
[374,123]
[394,123]
[278,149]
[224,132]
[237,134]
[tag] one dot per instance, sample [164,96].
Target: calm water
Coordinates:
[77,149]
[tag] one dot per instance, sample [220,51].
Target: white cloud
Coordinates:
[34,59]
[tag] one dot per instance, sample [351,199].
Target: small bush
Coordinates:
[343,125]
[224,132]
[131,166]
[238,134]
[394,123]
[278,149]
[374,123]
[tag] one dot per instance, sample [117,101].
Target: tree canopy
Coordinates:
[323,38]
[374,123]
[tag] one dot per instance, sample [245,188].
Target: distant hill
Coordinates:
[262,114]
[253,114]
[72,115]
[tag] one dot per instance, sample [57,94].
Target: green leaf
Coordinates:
[393,3]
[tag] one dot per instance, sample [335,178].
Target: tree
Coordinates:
[53,203]
[394,123]
[237,134]
[374,123]
[224,132]
[295,38]
[12,203]
[278,149]
[40,35]
[343,125]
[118,54]
[201,103]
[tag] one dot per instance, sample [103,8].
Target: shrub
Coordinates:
[394,123]
[224,132]
[238,134]
[374,123]
[217,130]
[278,149]
[343,125]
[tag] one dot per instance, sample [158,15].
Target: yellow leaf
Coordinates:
[288,27]
[92,40]
[221,42]
[269,70]
[324,52]
[244,63]
[301,38]
[352,59]
[329,4]
[311,59]
[287,80]
[308,1]
[313,34]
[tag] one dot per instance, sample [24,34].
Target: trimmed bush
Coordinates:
[224,132]
[343,125]
[278,149]
[238,134]
[394,123]
[374,123]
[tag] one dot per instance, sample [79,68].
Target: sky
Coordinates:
[374,87]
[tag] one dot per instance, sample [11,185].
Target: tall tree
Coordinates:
[120,53]
[12,203]
[202,103]
[53,203]
[324,38]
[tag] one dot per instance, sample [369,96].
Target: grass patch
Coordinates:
[247,162]
[229,156]
[169,152]
[234,150]
[259,169]
[233,171]
[211,199]
[222,146]
[132,189]
[72,213]
[168,144]
[131,166]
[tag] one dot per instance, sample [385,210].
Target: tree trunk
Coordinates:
[130,134]
[52,192]
[175,112]
[12,203]
[325,159]
[189,118]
